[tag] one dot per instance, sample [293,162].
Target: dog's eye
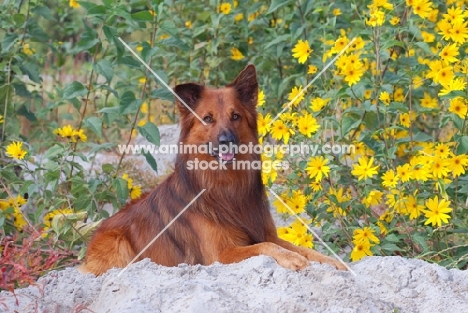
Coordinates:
[235,116]
[208,119]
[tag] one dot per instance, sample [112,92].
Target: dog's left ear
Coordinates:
[246,85]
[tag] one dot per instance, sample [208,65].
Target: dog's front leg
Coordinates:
[284,257]
[310,254]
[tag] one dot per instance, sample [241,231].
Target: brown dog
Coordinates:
[230,221]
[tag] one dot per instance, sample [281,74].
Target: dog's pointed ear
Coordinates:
[189,94]
[246,85]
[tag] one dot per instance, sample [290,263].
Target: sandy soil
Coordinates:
[382,284]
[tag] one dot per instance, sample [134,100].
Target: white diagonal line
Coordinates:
[160,233]
[160,80]
[311,230]
[312,81]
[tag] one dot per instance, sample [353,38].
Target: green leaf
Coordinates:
[8,41]
[392,43]
[98,147]
[95,124]
[424,47]
[54,151]
[128,103]
[277,40]
[97,10]
[151,161]
[142,16]
[31,69]
[390,247]
[169,27]
[107,168]
[73,90]
[19,19]
[276,4]
[44,12]
[162,93]
[420,240]
[462,145]
[104,68]
[150,132]
[121,189]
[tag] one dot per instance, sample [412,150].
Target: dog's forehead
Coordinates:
[219,99]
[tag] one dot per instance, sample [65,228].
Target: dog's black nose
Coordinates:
[225,138]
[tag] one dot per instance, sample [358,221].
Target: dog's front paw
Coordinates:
[314,256]
[292,260]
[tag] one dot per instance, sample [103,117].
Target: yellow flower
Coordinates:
[301,51]
[317,104]
[312,69]
[225,8]
[428,101]
[280,204]
[436,213]
[65,132]
[377,18]
[48,218]
[405,120]
[74,4]
[129,181]
[1,119]
[297,234]
[455,84]
[422,8]
[427,37]
[263,124]
[317,168]
[374,198]
[297,95]
[458,164]
[297,202]
[15,150]
[395,20]
[13,202]
[360,250]
[188,24]
[384,97]
[449,53]
[307,125]
[440,167]
[27,50]
[389,179]
[459,32]
[340,198]
[261,98]
[336,11]
[280,130]
[364,169]
[236,55]
[365,234]
[442,150]
[458,107]
[413,208]
[79,134]
[238,17]
[18,220]
[135,192]
[352,74]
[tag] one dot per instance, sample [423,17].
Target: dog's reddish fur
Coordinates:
[228,223]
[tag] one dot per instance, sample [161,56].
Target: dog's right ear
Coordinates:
[189,94]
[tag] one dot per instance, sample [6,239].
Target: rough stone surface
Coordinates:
[382,284]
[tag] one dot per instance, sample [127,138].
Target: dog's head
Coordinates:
[228,114]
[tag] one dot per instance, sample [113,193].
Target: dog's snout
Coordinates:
[226,138]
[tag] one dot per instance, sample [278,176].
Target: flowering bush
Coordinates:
[388,78]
